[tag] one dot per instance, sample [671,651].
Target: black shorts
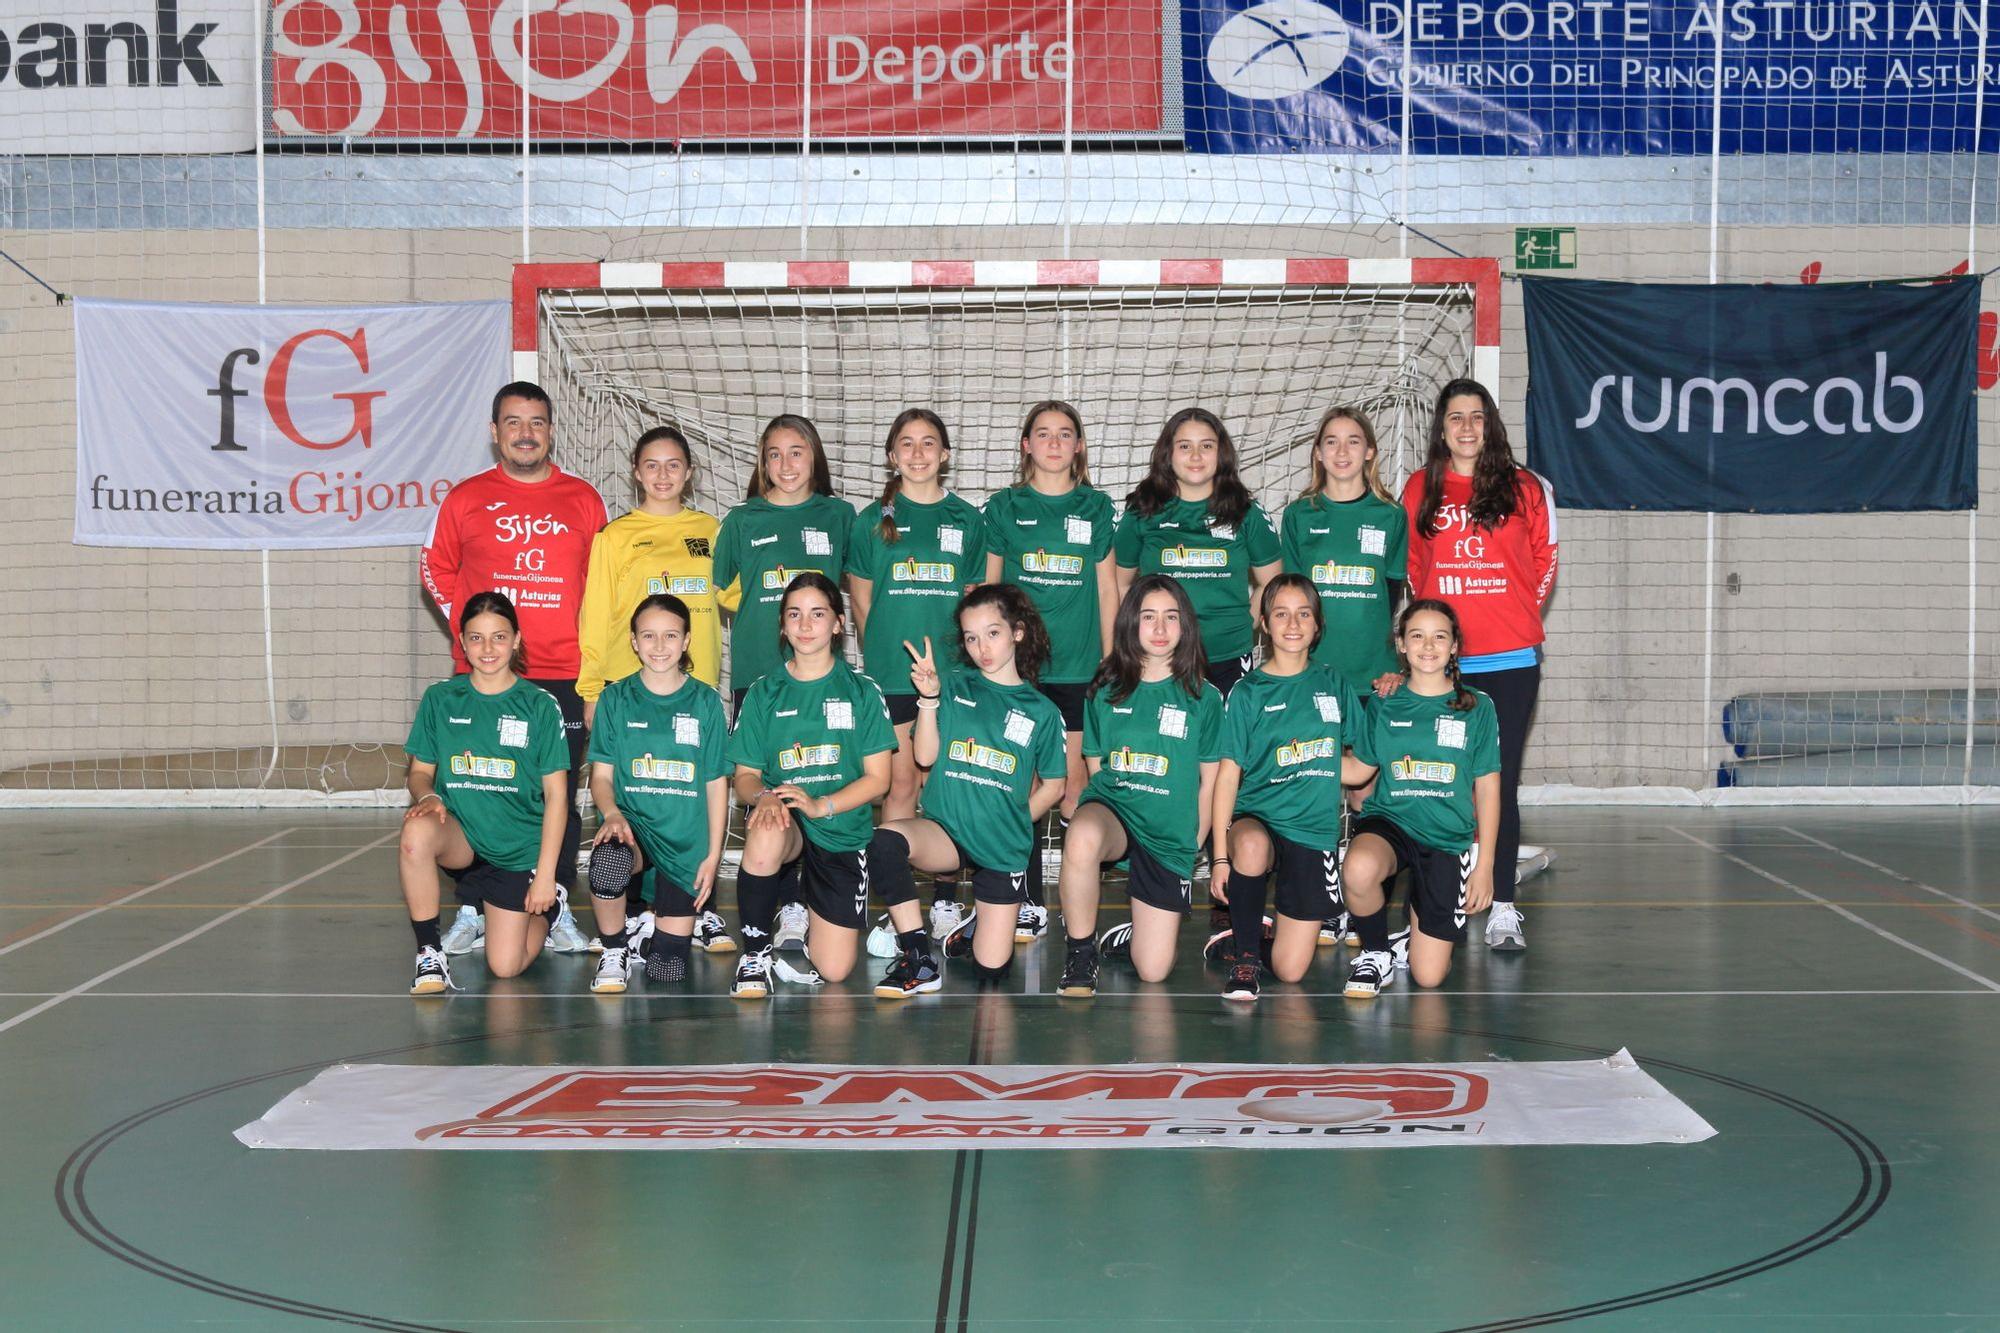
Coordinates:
[1068,698]
[902,708]
[484,882]
[1224,672]
[1147,881]
[736,704]
[1305,880]
[1437,878]
[669,898]
[991,886]
[834,885]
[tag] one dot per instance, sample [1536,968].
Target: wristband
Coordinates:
[427,796]
[927,702]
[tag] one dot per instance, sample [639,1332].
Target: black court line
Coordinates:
[962,1202]
[72,1199]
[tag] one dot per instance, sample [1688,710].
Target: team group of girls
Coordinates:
[1032,658]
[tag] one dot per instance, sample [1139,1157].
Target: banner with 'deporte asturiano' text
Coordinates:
[1744,398]
[278,427]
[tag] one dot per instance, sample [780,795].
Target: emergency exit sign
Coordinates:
[1544,247]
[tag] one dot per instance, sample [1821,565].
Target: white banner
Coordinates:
[280,427]
[984,1106]
[117,76]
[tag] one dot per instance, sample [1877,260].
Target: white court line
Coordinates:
[401,997]
[1899,877]
[1838,910]
[199,930]
[67,922]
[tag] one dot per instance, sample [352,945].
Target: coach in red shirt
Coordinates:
[524,528]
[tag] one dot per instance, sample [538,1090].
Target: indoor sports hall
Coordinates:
[278,278]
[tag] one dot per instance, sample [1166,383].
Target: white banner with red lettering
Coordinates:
[982,1106]
[629,71]
[272,427]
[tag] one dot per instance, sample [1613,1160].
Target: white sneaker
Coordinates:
[753,977]
[1399,949]
[882,940]
[1527,851]
[468,932]
[1030,924]
[1503,928]
[564,937]
[791,932]
[1530,866]
[614,970]
[946,916]
[711,934]
[639,929]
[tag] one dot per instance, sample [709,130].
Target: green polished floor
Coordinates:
[1822,986]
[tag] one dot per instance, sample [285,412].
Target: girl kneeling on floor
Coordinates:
[488,781]
[1435,810]
[994,746]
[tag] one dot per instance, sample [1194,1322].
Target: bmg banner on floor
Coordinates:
[278,427]
[1746,398]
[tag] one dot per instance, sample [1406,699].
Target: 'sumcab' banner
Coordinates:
[278,427]
[1742,398]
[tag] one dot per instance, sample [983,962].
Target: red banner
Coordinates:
[646,71]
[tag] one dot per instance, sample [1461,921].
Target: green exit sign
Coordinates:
[1544,247]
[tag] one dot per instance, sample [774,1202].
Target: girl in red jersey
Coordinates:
[1483,538]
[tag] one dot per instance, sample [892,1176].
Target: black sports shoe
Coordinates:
[1117,941]
[957,942]
[911,974]
[1079,974]
[1242,983]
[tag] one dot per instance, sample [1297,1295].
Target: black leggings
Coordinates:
[1513,692]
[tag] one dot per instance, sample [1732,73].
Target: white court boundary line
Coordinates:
[67,922]
[1400,993]
[198,931]
[1838,910]
[1898,876]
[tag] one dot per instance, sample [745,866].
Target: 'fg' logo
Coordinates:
[277,387]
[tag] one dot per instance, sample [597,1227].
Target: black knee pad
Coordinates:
[993,974]
[889,867]
[610,870]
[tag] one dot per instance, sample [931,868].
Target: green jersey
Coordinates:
[1352,550]
[492,752]
[1211,560]
[664,750]
[1050,546]
[940,550]
[1286,734]
[994,741]
[1429,754]
[814,734]
[1153,746]
[766,546]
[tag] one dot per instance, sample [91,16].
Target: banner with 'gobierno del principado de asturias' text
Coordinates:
[1751,398]
[228,427]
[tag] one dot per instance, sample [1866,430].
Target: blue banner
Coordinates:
[1744,398]
[1511,78]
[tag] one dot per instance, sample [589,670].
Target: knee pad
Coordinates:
[993,974]
[610,870]
[889,867]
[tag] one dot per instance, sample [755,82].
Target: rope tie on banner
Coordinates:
[62,298]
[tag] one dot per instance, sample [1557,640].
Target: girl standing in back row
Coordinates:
[1483,539]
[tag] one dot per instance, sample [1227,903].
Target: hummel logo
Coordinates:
[793,712]
[1274,708]
[1394,723]
[764,541]
[1024,522]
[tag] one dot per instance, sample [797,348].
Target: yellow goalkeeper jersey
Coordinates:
[634,556]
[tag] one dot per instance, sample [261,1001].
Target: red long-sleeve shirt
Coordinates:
[1496,579]
[529,540]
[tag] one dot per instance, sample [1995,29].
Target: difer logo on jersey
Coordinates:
[1277,49]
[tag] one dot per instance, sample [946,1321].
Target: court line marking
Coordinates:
[1899,877]
[200,930]
[1840,911]
[1392,994]
[67,922]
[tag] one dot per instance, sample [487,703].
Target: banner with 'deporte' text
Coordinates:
[1754,399]
[278,427]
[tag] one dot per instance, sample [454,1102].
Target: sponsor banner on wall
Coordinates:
[1617,78]
[119,76]
[1743,398]
[631,71]
[278,427]
[984,1106]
